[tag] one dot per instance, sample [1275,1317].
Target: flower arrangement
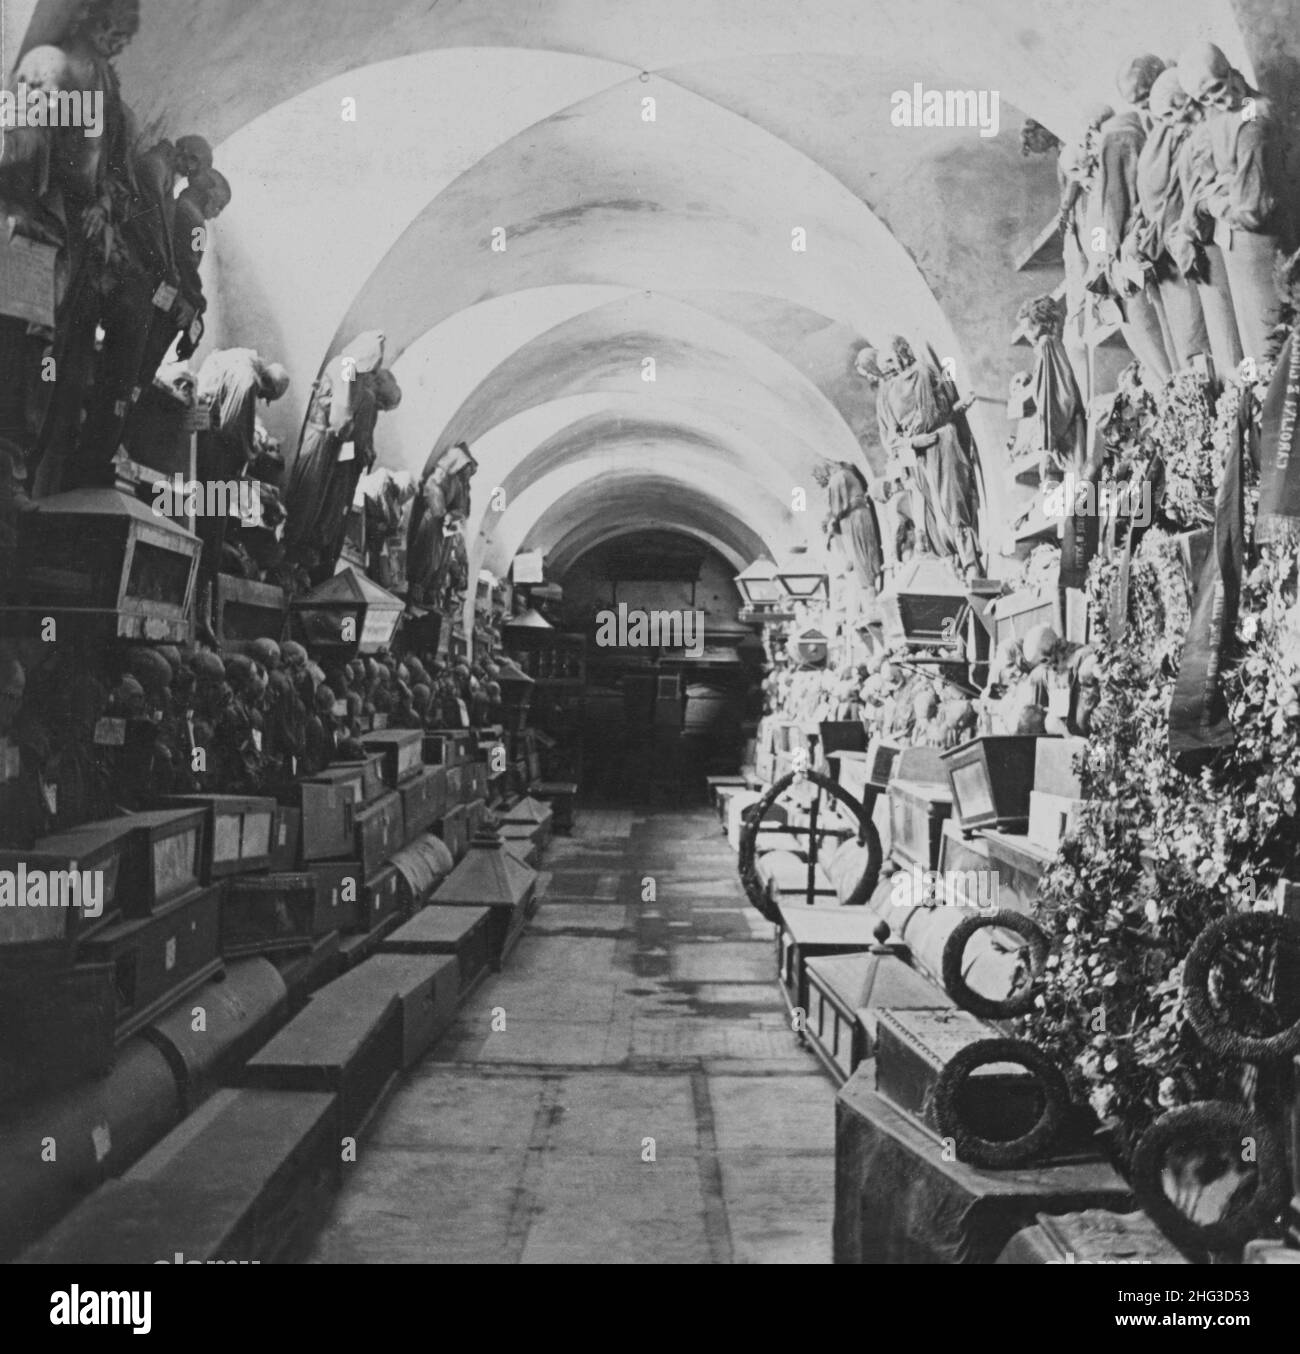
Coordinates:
[1161,853]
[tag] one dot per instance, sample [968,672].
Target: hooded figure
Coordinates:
[337,448]
[441,505]
[923,425]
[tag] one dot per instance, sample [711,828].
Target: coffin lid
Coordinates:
[488,874]
[510,672]
[532,619]
[931,577]
[109,503]
[527,810]
[349,587]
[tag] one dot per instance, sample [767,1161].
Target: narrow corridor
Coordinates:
[625,1021]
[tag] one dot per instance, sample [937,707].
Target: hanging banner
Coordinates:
[1198,711]
[1279,453]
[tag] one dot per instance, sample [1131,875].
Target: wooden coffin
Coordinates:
[108,848]
[239,831]
[49,899]
[459,931]
[99,1127]
[489,876]
[286,834]
[344,1041]
[427,987]
[303,971]
[379,832]
[156,960]
[285,911]
[917,811]
[1052,818]
[448,747]
[381,898]
[1054,766]
[424,799]
[165,860]
[340,886]
[1020,864]
[246,1177]
[807,932]
[327,809]
[532,812]
[421,866]
[476,778]
[845,994]
[351,776]
[240,1008]
[402,751]
[246,611]
[559,794]
[1094,1237]
[991,779]
[454,831]
[475,816]
[913,1047]
[57,1027]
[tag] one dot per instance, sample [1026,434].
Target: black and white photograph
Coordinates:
[649,632]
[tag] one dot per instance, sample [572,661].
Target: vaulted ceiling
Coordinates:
[611,308]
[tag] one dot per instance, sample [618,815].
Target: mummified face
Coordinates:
[109,27]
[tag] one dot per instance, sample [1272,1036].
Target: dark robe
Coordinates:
[853,518]
[918,403]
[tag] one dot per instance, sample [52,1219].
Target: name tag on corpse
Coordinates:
[110,733]
[165,297]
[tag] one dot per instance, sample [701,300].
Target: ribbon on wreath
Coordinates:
[1279,454]
[1199,722]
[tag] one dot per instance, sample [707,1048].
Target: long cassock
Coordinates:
[916,403]
[318,482]
[1156,229]
[1063,431]
[1242,160]
[444,496]
[231,381]
[853,518]
[1112,205]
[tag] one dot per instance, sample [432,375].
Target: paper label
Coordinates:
[339,709]
[257,742]
[464,712]
[169,954]
[110,732]
[50,793]
[347,451]
[1058,702]
[27,279]
[9,760]
[164,297]
[101,1140]
[196,331]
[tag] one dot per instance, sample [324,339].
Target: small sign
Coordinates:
[527,568]
[169,954]
[1058,702]
[380,720]
[347,451]
[110,732]
[165,297]
[27,279]
[257,744]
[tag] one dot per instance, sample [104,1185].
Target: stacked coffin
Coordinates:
[527,818]
[85,974]
[241,1180]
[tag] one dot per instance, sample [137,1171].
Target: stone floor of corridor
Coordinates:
[624,1020]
